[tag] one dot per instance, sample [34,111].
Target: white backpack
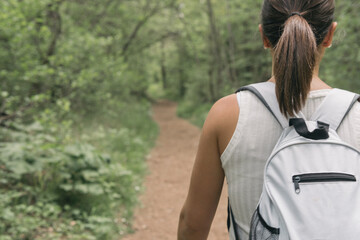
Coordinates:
[311,187]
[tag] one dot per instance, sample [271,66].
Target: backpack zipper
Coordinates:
[321,177]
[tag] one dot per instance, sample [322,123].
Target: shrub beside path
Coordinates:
[170,164]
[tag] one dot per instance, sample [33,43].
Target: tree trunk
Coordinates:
[231,47]
[163,68]
[215,49]
[54,22]
[182,53]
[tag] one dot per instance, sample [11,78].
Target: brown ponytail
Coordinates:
[294,56]
[295,38]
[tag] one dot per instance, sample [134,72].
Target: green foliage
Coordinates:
[219,49]
[75,122]
[195,113]
[340,64]
[73,189]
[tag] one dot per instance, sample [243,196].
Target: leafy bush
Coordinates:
[196,113]
[74,118]
[85,188]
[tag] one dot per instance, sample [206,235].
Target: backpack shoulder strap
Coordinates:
[265,91]
[335,107]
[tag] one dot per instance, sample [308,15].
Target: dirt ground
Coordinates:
[170,164]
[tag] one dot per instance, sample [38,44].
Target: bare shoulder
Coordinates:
[226,104]
[222,119]
[224,107]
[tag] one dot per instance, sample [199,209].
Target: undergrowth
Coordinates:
[195,113]
[77,180]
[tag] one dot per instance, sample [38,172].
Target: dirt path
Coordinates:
[170,164]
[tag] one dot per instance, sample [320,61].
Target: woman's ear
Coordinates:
[329,36]
[266,41]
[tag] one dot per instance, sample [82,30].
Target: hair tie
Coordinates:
[295,13]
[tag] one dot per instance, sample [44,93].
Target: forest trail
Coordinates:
[170,164]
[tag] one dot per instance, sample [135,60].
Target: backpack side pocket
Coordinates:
[260,230]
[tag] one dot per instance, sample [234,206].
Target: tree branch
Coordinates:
[55,25]
[150,44]
[15,114]
[135,31]
[141,23]
[96,20]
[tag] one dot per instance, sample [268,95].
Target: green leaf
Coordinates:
[66,187]
[82,188]
[73,150]
[7,214]
[95,189]
[90,175]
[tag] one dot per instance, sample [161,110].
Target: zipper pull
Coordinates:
[296,184]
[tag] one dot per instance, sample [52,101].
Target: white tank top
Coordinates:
[255,136]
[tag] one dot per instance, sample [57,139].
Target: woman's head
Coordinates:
[295,30]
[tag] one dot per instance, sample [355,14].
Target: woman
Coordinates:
[233,143]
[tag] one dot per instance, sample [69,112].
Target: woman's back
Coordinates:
[236,143]
[255,135]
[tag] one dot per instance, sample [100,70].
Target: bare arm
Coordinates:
[208,176]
